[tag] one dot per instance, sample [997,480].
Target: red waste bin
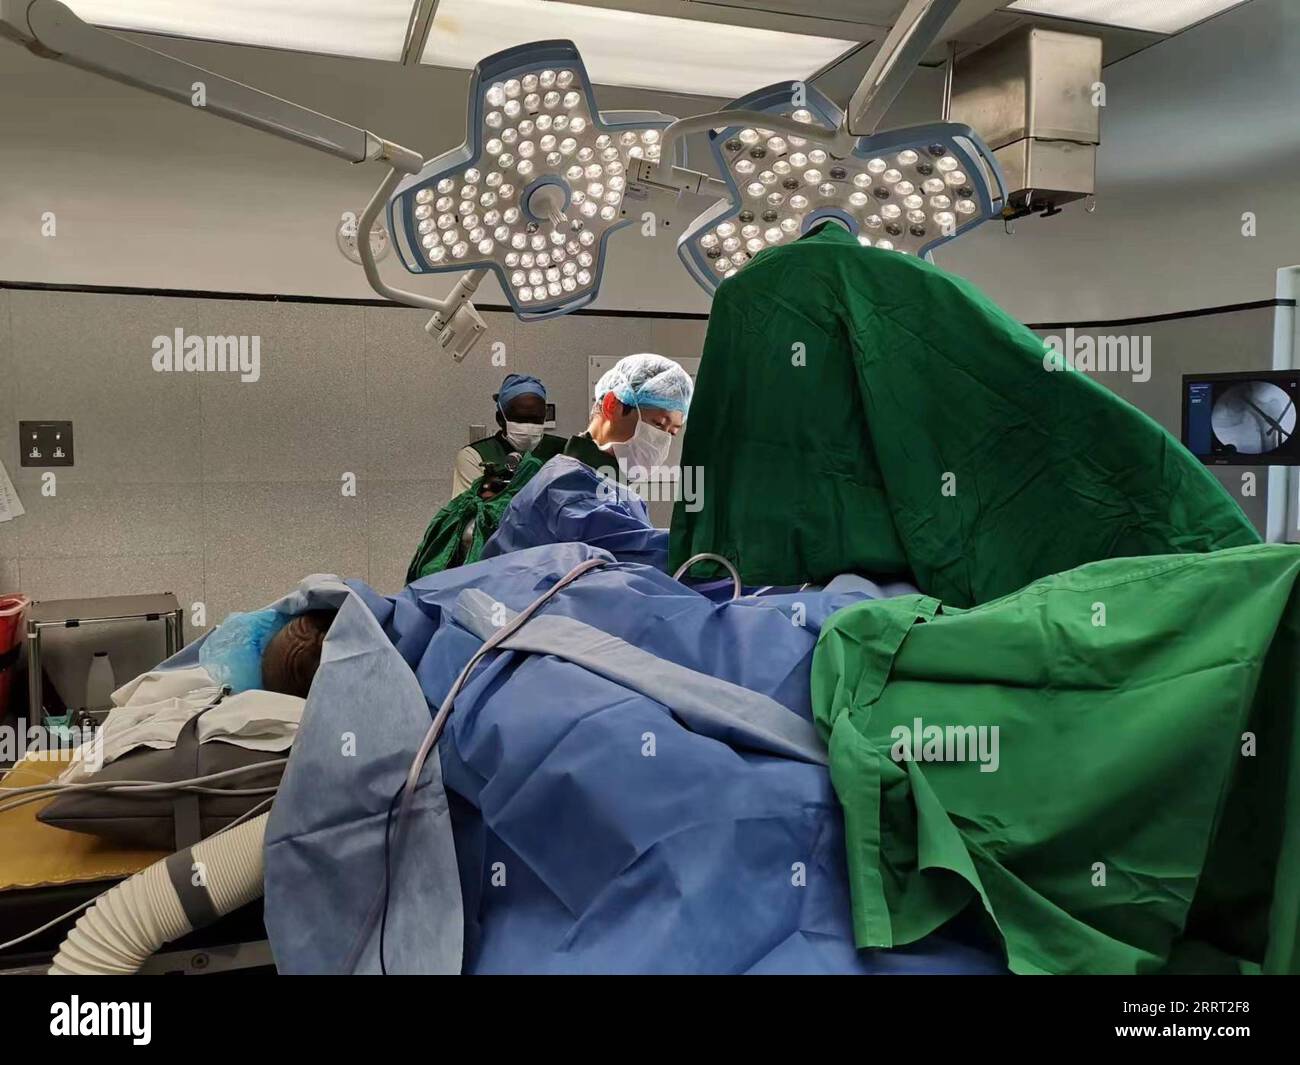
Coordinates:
[13,612]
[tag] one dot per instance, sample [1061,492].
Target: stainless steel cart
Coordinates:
[74,613]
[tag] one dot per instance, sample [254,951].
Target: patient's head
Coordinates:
[292,657]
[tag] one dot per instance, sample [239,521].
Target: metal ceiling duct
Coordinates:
[1033,96]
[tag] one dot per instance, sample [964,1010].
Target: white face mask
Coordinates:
[647,448]
[524,436]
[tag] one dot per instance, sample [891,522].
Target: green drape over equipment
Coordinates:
[1144,800]
[860,410]
[444,544]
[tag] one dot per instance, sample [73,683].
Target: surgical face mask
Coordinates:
[647,448]
[524,436]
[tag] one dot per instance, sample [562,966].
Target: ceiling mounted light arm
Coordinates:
[49,29]
[417,32]
[455,324]
[916,29]
[672,180]
[377,203]
[841,143]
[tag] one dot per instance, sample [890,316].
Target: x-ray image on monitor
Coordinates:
[1242,419]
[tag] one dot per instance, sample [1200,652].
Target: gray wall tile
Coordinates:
[8,442]
[678,338]
[8,390]
[9,582]
[10,533]
[261,539]
[420,403]
[399,512]
[87,357]
[301,420]
[110,521]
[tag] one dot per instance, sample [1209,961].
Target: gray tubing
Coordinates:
[709,556]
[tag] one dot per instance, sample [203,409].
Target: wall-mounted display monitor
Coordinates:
[1242,419]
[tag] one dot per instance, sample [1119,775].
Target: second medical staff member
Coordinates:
[520,416]
[640,404]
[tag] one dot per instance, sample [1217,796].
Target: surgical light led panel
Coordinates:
[533,127]
[1154,16]
[906,190]
[375,29]
[631,48]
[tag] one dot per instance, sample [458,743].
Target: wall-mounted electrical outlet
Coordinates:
[45,443]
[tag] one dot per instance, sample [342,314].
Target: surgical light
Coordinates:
[871,191]
[538,186]
[554,199]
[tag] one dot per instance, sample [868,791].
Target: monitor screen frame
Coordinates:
[1270,375]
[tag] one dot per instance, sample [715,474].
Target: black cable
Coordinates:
[388,873]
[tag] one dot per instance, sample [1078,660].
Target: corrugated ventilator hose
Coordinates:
[132,920]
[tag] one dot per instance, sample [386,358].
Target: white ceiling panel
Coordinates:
[368,29]
[1157,16]
[631,48]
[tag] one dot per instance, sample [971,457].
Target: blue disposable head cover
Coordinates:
[519,384]
[647,381]
[232,655]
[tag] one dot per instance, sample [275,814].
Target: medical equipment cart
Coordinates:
[74,613]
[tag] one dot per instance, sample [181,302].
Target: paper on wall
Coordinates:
[10,505]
